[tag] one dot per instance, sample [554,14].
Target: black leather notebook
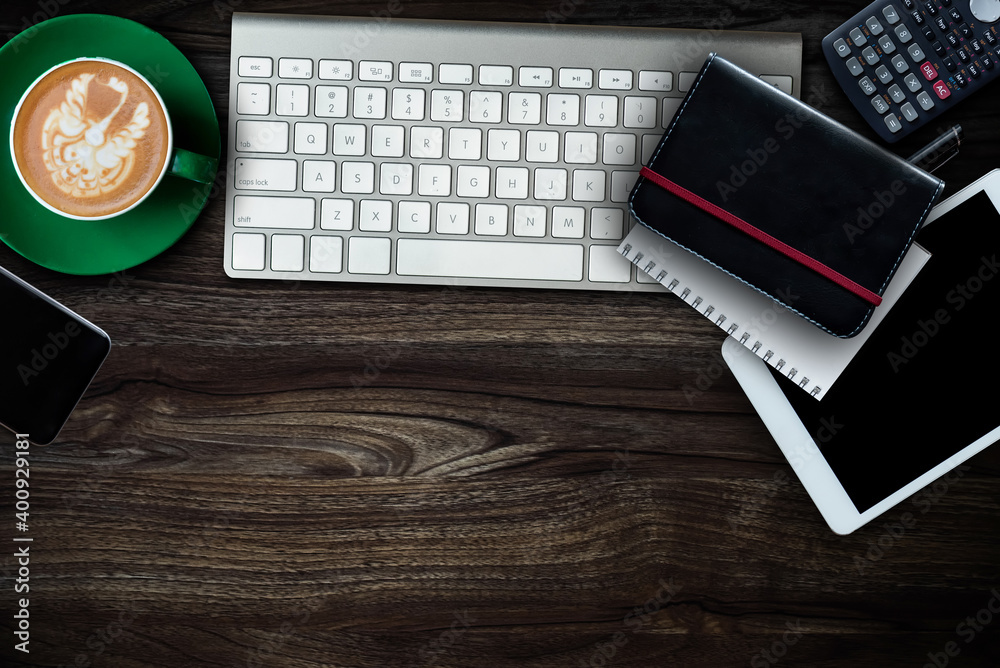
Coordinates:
[784,198]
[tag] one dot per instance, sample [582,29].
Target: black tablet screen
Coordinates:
[924,386]
[48,357]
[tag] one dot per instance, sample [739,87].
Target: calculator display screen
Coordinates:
[924,386]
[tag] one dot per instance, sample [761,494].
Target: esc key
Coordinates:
[255,67]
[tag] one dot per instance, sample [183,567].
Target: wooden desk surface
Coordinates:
[274,474]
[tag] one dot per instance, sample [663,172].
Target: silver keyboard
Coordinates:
[454,153]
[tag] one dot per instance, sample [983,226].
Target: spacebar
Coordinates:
[489,259]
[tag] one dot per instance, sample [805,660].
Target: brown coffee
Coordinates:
[90,138]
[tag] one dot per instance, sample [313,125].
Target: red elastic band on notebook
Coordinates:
[763,237]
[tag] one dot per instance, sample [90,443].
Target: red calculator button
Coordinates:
[929,72]
[941,88]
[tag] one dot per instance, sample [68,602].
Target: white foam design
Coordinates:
[82,158]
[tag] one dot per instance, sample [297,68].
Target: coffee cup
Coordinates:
[91,139]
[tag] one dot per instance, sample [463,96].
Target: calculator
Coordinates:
[905,62]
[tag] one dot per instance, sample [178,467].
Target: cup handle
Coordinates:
[192,166]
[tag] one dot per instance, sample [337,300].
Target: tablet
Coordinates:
[920,397]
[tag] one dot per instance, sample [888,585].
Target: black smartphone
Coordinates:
[48,357]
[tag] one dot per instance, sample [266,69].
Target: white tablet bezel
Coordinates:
[798,446]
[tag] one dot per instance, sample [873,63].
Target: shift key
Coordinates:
[290,213]
[260,174]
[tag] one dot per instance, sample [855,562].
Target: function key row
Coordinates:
[455,73]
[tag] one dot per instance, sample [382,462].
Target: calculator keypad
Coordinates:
[911,61]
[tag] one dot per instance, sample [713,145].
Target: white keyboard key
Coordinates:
[248,252]
[581,148]
[563,109]
[434,181]
[357,178]
[447,105]
[608,266]
[452,218]
[512,183]
[503,145]
[607,223]
[649,146]
[640,112]
[319,176]
[375,216]
[408,104]
[336,70]
[601,111]
[524,108]
[251,66]
[387,141]
[331,102]
[262,136]
[622,184]
[550,184]
[491,219]
[375,70]
[685,80]
[465,143]
[260,174]
[781,82]
[369,102]
[396,178]
[486,107]
[311,138]
[426,143]
[414,217]
[571,77]
[473,181]
[615,79]
[529,220]
[416,72]
[643,277]
[489,259]
[289,213]
[369,255]
[452,73]
[496,75]
[253,99]
[295,68]
[670,107]
[568,222]
[589,185]
[326,254]
[619,149]
[291,100]
[287,252]
[336,214]
[535,77]
[349,139]
[660,82]
[541,146]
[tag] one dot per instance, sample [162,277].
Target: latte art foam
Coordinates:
[90,138]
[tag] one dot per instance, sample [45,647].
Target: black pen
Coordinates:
[939,151]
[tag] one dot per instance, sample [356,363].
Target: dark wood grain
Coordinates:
[275,474]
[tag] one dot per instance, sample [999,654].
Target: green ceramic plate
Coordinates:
[101,247]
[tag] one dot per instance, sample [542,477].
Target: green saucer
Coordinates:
[105,246]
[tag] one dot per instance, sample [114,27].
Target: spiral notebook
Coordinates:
[808,356]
